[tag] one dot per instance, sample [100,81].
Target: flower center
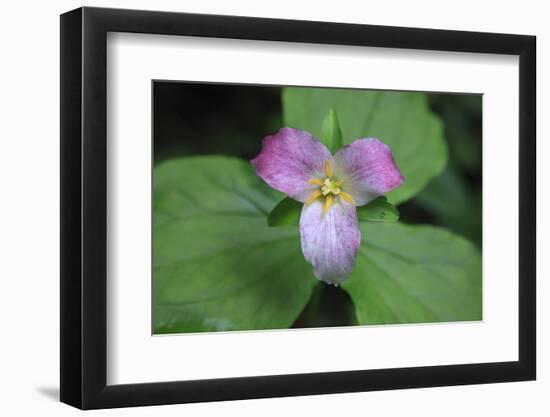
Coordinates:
[329,187]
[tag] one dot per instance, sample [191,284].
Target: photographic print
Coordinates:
[305,207]
[291,210]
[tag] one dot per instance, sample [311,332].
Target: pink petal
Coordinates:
[290,158]
[367,169]
[330,240]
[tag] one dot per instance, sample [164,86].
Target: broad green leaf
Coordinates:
[415,274]
[378,210]
[286,212]
[331,134]
[217,264]
[400,119]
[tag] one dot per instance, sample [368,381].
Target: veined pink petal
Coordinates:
[330,240]
[290,158]
[367,169]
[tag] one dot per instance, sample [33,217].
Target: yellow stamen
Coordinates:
[328,169]
[325,188]
[346,197]
[328,203]
[313,196]
[315,181]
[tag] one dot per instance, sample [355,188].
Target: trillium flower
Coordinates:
[331,187]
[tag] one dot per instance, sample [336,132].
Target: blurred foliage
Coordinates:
[211,231]
[454,197]
[206,119]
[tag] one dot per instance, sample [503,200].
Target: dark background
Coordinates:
[224,119]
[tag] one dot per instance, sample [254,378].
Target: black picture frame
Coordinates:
[84,207]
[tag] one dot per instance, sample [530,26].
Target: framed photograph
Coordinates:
[259,208]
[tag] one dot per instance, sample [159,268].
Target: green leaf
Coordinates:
[286,212]
[331,135]
[378,210]
[415,274]
[217,264]
[402,120]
